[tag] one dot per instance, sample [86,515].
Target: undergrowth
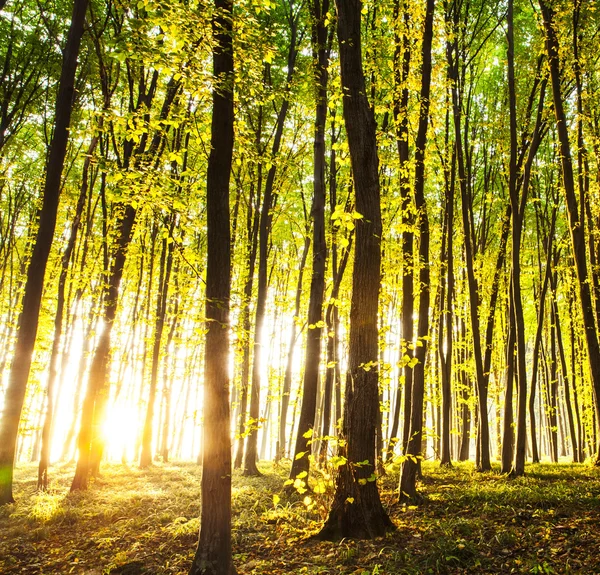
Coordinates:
[134,521]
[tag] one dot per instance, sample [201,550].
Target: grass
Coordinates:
[134,521]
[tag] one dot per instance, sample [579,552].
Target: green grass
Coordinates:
[133,521]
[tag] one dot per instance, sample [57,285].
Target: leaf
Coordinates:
[276,500]
[300,455]
[308,434]
[350,500]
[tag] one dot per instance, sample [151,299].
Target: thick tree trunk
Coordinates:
[213,555]
[356,510]
[29,317]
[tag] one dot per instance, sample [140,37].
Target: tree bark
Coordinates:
[213,554]
[356,510]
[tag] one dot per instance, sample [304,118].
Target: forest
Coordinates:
[299,286]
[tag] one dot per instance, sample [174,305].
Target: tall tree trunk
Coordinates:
[32,297]
[213,554]
[576,227]
[484,463]
[445,348]
[411,465]
[356,510]
[401,71]
[312,363]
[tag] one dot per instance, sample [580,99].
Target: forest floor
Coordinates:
[134,521]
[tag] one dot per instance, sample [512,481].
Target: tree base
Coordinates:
[356,512]
[251,470]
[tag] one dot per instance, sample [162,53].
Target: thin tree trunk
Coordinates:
[58,321]
[269,198]
[287,378]
[411,466]
[312,364]
[164,278]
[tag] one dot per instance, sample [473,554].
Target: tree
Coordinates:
[576,226]
[356,510]
[312,362]
[213,555]
[28,319]
[414,450]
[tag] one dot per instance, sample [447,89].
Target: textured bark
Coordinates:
[213,554]
[32,297]
[356,510]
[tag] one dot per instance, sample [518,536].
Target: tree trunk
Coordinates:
[356,510]
[32,297]
[213,554]
[576,227]
[482,390]
[508,435]
[565,379]
[411,466]
[58,322]
[300,463]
